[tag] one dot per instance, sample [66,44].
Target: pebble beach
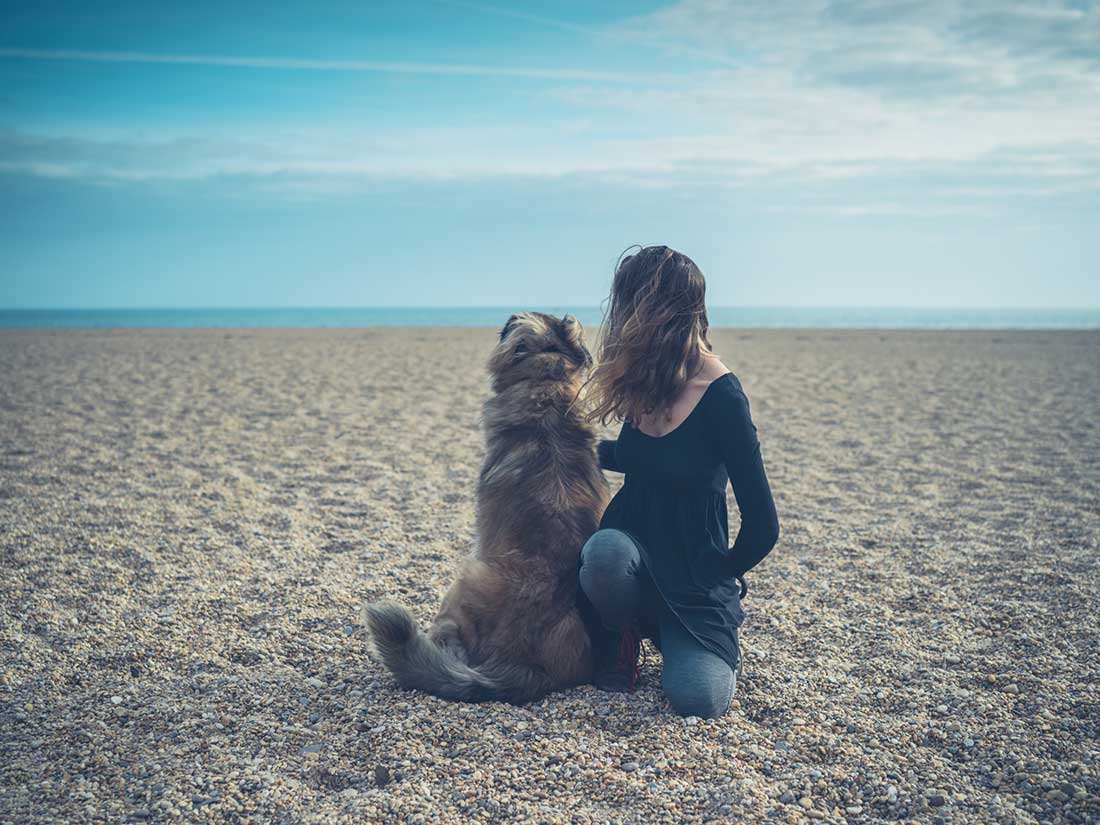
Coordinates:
[191,519]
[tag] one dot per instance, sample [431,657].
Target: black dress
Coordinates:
[673,502]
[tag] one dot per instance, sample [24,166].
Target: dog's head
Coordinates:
[538,347]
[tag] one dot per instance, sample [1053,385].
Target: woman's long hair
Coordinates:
[652,338]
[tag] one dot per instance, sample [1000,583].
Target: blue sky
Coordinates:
[855,153]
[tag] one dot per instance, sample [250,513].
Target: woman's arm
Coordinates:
[741,453]
[606,453]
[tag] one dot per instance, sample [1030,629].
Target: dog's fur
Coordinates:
[508,629]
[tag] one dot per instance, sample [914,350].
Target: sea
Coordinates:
[736,317]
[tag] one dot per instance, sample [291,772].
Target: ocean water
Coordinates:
[742,317]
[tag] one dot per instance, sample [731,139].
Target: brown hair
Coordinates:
[653,335]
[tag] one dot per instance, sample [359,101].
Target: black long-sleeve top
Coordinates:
[673,501]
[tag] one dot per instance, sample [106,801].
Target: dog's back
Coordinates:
[508,628]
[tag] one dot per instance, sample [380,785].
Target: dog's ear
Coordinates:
[572,330]
[571,335]
[507,326]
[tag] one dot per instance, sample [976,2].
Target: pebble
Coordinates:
[1012,688]
[884,690]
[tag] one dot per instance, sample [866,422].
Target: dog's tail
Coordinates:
[416,661]
[420,664]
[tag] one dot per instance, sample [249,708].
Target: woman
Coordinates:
[660,566]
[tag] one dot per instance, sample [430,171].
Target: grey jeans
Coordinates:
[695,681]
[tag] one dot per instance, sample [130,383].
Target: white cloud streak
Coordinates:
[309,64]
[513,14]
[888,209]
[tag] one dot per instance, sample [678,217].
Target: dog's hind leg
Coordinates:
[445,633]
[459,625]
[566,652]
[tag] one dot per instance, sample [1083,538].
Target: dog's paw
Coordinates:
[454,648]
[446,637]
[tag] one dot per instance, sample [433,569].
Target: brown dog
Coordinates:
[508,628]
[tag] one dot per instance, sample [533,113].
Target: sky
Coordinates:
[452,153]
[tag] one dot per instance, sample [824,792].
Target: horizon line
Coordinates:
[513,307]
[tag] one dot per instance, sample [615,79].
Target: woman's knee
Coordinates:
[707,697]
[609,574]
[608,556]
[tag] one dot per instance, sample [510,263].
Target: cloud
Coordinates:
[981,97]
[285,63]
[438,153]
[870,85]
[888,209]
[988,41]
[513,14]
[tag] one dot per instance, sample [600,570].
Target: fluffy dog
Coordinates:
[508,629]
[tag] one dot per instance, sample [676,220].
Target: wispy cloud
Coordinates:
[992,96]
[309,64]
[865,87]
[889,209]
[438,153]
[604,34]
[513,14]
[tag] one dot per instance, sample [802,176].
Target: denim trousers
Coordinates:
[613,577]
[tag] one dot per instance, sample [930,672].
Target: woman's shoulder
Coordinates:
[726,384]
[728,396]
